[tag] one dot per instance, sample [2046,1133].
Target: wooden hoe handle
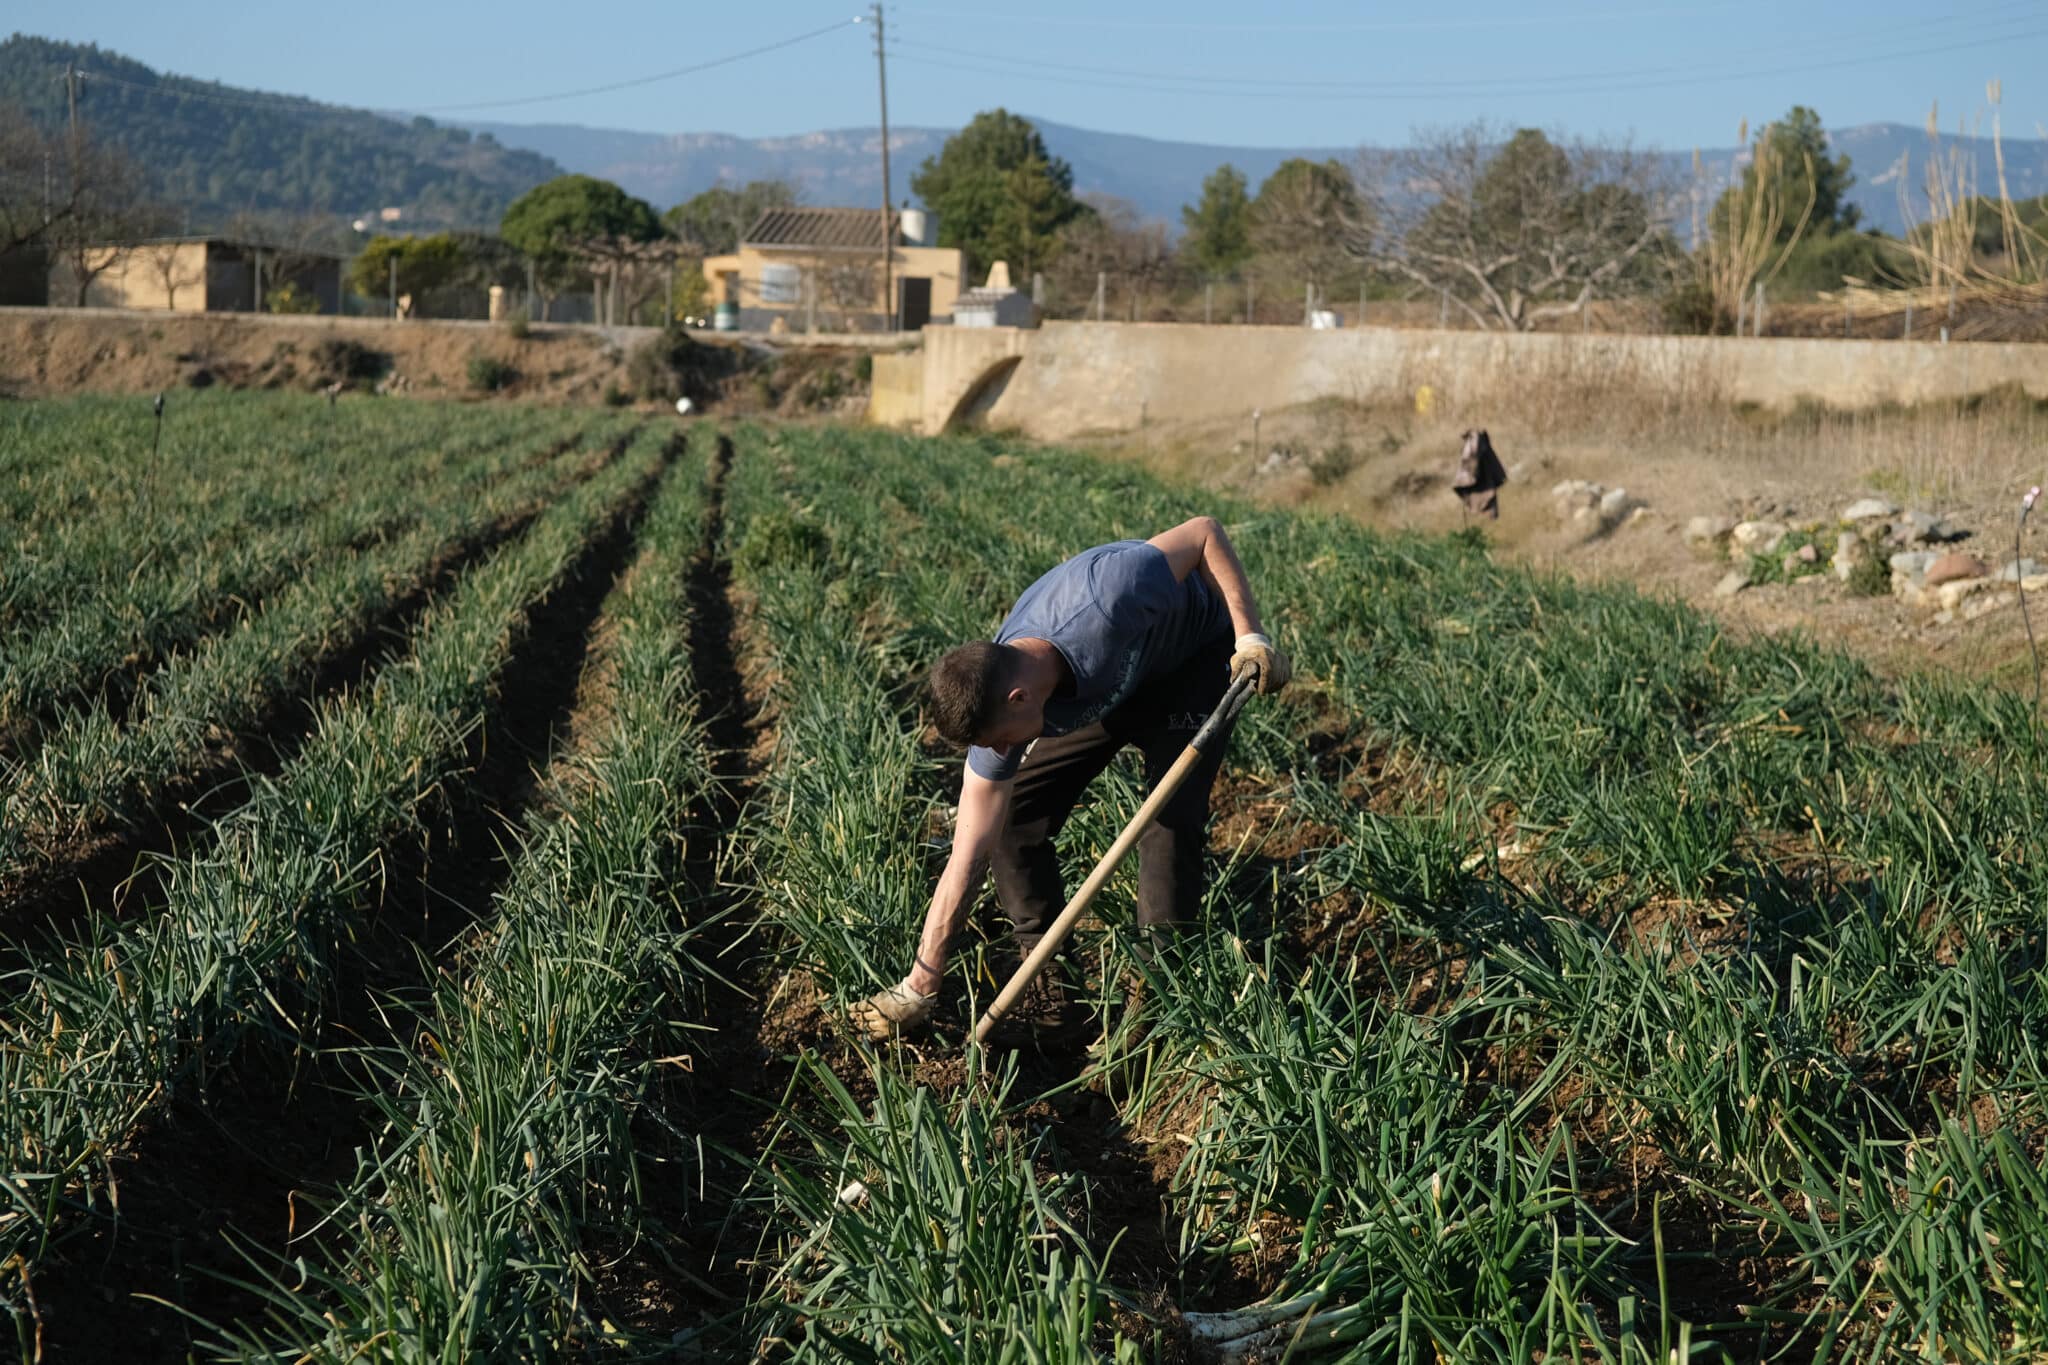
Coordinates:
[1205,739]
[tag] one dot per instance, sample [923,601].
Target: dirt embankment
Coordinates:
[1387,465]
[50,352]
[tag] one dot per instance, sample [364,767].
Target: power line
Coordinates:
[1818,43]
[647,80]
[299,104]
[1163,82]
[1359,26]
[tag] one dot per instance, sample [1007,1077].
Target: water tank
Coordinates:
[912,226]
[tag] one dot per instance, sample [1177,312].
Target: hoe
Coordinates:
[1207,738]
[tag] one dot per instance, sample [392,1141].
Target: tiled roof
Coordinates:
[836,228]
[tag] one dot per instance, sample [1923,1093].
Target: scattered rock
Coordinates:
[1850,555]
[1732,582]
[1909,575]
[1616,505]
[1758,537]
[1576,499]
[2020,570]
[1869,509]
[1956,592]
[1912,563]
[1954,567]
[1708,533]
[1922,528]
[1983,604]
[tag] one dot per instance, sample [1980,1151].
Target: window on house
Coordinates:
[781,284]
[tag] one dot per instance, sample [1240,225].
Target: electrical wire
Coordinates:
[300,104]
[1359,26]
[648,80]
[1791,48]
[1165,82]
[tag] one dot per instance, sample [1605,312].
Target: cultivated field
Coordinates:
[518,794]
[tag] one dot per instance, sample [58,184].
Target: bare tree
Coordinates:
[107,215]
[1514,231]
[67,193]
[1115,240]
[27,162]
[168,262]
[644,274]
[852,285]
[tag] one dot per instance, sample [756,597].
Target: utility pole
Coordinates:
[888,237]
[1694,195]
[72,75]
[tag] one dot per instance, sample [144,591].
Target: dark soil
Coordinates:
[108,872]
[239,1165]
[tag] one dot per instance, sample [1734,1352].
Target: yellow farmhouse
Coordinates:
[820,269]
[201,275]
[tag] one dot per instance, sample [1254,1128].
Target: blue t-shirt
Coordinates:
[1118,617]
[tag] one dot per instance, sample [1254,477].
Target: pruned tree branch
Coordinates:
[1513,230]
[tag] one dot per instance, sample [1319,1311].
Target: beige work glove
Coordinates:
[893,1012]
[1268,666]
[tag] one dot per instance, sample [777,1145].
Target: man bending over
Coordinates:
[1128,643]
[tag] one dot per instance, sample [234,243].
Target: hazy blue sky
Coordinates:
[1670,73]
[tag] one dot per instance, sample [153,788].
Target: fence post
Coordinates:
[1209,302]
[393,260]
[1361,305]
[1443,307]
[1101,290]
[1756,314]
[1251,315]
[1909,322]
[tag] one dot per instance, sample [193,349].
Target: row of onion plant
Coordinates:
[507,1152]
[99,765]
[242,952]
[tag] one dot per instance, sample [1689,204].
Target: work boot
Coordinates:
[893,1012]
[1046,1013]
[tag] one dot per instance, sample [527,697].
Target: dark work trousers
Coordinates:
[1158,720]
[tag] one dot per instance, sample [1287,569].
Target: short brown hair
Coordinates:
[966,690]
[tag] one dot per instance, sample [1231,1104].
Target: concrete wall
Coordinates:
[956,359]
[1076,378]
[896,394]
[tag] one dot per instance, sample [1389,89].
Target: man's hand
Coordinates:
[1267,666]
[893,1012]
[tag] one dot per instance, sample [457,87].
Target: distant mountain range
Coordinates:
[217,150]
[843,166]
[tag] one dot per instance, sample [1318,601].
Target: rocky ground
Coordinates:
[1888,533]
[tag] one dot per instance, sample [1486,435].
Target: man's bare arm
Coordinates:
[984,808]
[1200,545]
